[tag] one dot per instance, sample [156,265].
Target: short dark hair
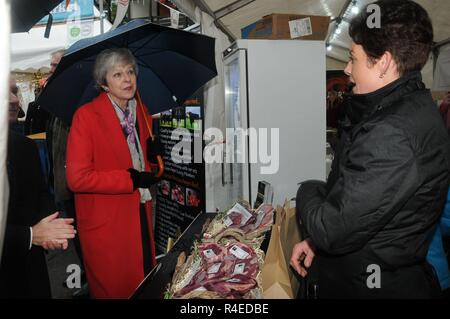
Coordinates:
[406,32]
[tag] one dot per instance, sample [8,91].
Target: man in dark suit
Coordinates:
[23,269]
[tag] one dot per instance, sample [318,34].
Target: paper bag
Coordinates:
[278,278]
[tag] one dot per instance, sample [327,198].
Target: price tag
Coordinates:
[214,268]
[238,252]
[227,221]
[209,253]
[233,280]
[239,269]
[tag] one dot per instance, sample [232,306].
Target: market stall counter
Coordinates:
[155,283]
[240,253]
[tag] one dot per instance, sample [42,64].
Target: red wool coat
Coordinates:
[107,208]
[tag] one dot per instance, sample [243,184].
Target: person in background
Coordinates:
[437,256]
[443,109]
[334,106]
[37,119]
[108,170]
[29,227]
[368,229]
[57,133]
[56,136]
[14,124]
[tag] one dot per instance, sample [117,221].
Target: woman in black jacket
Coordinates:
[368,229]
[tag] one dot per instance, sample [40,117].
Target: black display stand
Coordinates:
[155,284]
[181,192]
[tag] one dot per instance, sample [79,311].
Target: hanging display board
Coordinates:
[181,192]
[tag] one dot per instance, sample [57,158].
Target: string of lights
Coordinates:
[349,10]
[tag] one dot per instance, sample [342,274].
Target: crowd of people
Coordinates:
[98,169]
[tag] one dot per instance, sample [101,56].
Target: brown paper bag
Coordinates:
[278,279]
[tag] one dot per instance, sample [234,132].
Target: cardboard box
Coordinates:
[288,26]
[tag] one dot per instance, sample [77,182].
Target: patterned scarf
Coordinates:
[127,121]
[128,125]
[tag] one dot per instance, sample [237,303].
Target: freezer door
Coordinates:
[234,167]
[227,181]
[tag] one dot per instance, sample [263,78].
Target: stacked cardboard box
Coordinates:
[288,26]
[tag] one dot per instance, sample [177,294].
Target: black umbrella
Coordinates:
[26,13]
[172,63]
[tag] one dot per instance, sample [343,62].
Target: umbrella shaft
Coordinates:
[100,3]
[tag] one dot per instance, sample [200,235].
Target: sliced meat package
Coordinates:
[230,270]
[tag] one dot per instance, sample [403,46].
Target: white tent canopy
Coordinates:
[30,51]
[233,15]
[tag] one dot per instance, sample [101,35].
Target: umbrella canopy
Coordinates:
[26,13]
[173,64]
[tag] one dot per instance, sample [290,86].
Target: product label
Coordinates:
[238,252]
[239,269]
[209,253]
[214,268]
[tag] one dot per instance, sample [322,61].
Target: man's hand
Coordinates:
[56,244]
[303,251]
[52,232]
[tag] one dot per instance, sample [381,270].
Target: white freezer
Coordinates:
[274,84]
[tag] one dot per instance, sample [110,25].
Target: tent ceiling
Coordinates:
[30,51]
[254,10]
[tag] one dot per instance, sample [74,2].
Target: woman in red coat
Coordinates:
[108,171]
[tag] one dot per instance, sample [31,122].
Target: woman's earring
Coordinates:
[106,89]
[381,75]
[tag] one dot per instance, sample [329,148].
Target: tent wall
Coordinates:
[427,73]
[442,70]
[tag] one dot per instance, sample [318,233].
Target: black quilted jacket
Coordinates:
[383,197]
